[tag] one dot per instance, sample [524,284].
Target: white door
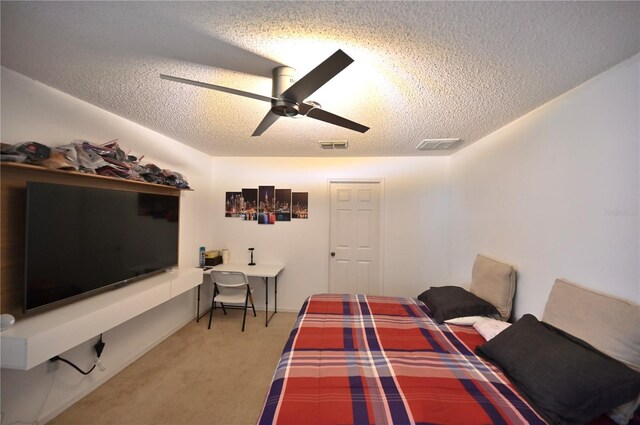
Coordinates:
[354,262]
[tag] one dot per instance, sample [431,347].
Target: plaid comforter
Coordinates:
[355,359]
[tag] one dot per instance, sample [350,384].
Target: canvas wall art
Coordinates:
[300,205]
[249,207]
[266,204]
[232,204]
[283,205]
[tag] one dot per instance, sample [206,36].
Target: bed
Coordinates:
[365,360]
[356,359]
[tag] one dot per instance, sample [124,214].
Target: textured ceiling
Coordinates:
[421,70]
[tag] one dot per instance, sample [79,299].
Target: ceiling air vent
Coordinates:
[335,144]
[436,144]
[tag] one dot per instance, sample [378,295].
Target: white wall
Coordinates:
[415,228]
[556,193]
[415,220]
[32,111]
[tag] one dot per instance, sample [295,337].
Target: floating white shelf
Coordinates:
[34,340]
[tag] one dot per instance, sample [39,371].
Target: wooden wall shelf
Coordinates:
[48,171]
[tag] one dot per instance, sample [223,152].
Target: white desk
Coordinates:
[264,271]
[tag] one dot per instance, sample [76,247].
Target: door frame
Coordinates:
[381,225]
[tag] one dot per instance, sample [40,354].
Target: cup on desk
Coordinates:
[225,256]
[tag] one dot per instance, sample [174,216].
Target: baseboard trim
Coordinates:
[284,310]
[115,370]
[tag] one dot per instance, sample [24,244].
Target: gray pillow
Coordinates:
[447,302]
[568,380]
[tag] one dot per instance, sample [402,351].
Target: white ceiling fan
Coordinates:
[288,94]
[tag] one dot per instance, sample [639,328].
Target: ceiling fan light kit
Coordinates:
[288,94]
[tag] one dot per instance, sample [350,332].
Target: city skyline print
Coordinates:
[232,204]
[249,205]
[300,205]
[283,205]
[266,204]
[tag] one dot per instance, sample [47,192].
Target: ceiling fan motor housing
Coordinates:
[283,78]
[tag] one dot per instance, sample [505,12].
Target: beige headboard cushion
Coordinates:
[610,324]
[494,282]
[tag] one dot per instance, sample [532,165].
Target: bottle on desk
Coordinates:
[225,256]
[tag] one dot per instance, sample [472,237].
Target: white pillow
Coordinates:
[465,321]
[490,327]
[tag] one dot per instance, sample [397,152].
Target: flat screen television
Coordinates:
[84,240]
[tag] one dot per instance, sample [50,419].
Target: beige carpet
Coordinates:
[195,376]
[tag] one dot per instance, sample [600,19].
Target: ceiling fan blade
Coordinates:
[218,88]
[322,115]
[317,77]
[266,122]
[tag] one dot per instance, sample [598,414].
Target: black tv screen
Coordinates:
[81,240]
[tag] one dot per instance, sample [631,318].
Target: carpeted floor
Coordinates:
[195,376]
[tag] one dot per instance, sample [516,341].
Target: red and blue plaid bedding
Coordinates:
[355,359]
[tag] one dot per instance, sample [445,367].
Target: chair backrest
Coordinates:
[229,279]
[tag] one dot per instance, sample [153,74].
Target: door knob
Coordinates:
[333,254]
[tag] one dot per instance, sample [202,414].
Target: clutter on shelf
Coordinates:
[80,155]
